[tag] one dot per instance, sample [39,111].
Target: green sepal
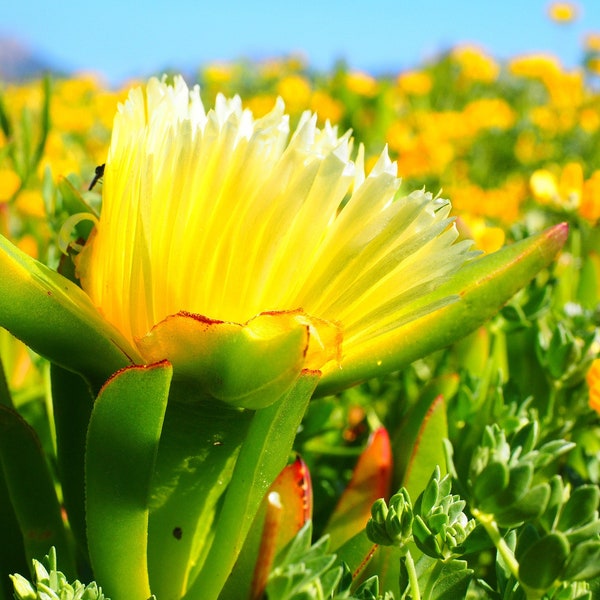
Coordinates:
[122,444]
[57,319]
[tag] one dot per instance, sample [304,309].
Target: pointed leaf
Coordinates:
[262,456]
[371,480]
[481,287]
[31,490]
[72,403]
[420,442]
[57,319]
[122,444]
[543,562]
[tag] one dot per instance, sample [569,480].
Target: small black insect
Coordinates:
[177,533]
[98,175]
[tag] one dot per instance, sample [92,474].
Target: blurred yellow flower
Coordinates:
[589,120]
[295,91]
[260,105]
[563,12]
[593,381]
[217,73]
[221,216]
[362,84]
[414,83]
[489,113]
[502,203]
[487,238]
[31,204]
[592,42]
[328,108]
[564,191]
[10,182]
[475,64]
[536,66]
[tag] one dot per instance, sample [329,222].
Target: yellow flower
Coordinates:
[10,182]
[219,217]
[361,83]
[417,83]
[564,191]
[536,66]
[295,91]
[592,42]
[326,107]
[563,12]
[475,64]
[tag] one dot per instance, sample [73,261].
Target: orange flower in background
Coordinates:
[10,182]
[590,198]
[593,381]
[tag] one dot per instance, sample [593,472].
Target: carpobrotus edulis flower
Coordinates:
[217,216]
[246,253]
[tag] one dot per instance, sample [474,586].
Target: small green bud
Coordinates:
[22,588]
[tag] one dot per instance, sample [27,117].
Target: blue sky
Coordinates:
[127,39]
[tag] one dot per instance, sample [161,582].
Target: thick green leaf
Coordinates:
[583,562]
[31,490]
[122,444]
[420,445]
[57,319]
[357,552]
[580,508]
[481,287]
[12,550]
[262,456]
[371,480]
[542,563]
[72,402]
[492,480]
[443,581]
[199,444]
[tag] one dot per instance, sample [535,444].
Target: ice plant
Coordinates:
[235,265]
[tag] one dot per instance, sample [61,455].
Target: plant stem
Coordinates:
[503,548]
[413,580]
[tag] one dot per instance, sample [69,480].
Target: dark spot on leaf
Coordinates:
[177,533]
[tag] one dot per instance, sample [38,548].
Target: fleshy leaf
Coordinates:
[122,444]
[480,288]
[420,447]
[262,456]
[31,489]
[57,319]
